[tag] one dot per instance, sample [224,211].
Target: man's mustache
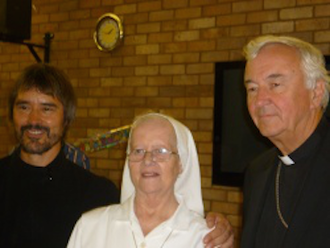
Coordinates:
[35,127]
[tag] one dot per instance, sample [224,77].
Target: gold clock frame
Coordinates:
[119,24]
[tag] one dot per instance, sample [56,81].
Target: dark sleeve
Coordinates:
[100,192]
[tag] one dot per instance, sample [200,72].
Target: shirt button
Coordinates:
[143,245]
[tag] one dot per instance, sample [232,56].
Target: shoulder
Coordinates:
[263,161]
[98,191]
[101,216]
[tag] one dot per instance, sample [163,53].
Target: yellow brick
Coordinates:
[187,35]
[226,208]
[312,24]
[159,80]
[133,102]
[135,60]
[68,6]
[216,10]
[202,2]
[79,34]
[136,39]
[159,59]
[135,81]
[322,36]
[160,37]
[89,4]
[202,23]
[149,6]
[162,15]
[172,91]
[201,68]
[146,91]
[175,25]
[199,113]
[79,14]
[37,19]
[213,194]
[262,16]
[147,49]
[178,47]
[170,4]
[279,4]
[205,148]
[59,17]
[246,30]
[214,56]
[296,13]
[207,45]
[322,10]
[180,102]
[89,62]
[159,102]
[146,70]
[135,19]
[89,82]
[277,27]
[172,69]
[125,9]
[247,6]
[186,79]
[100,72]
[236,197]
[231,20]
[148,28]
[187,13]
[108,82]
[114,102]
[186,57]
[123,71]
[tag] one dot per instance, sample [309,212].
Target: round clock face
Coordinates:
[108,33]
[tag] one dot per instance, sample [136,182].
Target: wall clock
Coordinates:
[108,32]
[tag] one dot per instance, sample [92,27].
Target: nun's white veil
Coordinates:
[188,184]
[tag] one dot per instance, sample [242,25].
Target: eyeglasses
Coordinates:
[158,155]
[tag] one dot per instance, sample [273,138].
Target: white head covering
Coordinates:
[188,183]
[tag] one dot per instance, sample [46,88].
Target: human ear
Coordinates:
[317,93]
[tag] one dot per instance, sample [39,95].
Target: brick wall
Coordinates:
[166,63]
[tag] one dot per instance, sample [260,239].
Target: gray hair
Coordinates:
[312,60]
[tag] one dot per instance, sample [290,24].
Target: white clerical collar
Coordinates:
[286,160]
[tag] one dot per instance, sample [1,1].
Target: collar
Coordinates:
[180,219]
[309,147]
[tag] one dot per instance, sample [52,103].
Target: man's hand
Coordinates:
[222,235]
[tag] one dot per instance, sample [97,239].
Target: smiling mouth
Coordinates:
[150,174]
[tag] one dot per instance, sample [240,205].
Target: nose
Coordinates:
[34,116]
[148,158]
[261,97]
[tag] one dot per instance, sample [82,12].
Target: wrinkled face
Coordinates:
[149,176]
[277,98]
[38,121]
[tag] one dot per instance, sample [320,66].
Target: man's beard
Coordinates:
[32,145]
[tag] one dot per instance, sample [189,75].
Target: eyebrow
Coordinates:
[48,104]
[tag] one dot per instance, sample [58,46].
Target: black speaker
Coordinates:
[15,20]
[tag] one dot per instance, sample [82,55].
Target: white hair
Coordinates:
[312,60]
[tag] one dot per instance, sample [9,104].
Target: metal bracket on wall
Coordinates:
[47,38]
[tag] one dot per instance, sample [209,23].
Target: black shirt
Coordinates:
[39,206]
[271,231]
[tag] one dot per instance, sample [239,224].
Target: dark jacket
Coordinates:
[40,206]
[310,223]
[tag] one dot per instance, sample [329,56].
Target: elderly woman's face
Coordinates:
[150,176]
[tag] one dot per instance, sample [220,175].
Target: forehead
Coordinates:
[35,96]
[273,57]
[154,126]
